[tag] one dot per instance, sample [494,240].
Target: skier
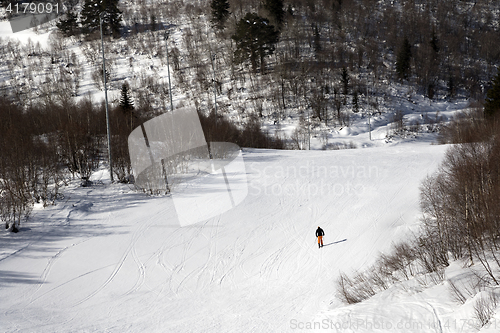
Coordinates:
[320,233]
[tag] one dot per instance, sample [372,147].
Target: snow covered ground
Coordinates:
[108,259]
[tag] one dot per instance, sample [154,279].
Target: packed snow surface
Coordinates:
[109,259]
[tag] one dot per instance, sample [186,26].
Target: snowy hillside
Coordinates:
[108,259]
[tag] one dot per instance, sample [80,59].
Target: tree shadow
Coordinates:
[10,278]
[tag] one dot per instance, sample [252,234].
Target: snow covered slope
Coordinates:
[107,259]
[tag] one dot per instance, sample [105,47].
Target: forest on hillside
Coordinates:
[331,56]
[317,63]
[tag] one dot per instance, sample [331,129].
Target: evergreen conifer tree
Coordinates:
[68,26]
[355,102]
[434,42]
[451,86]
[127,106]
[220,13]
[275,8]
[126,103]
[317,40]
[255,39]
[345,81]
[403,59]
[111,20]
[492,102]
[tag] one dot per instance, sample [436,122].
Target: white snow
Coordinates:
[109,259]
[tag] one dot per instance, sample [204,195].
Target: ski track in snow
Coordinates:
[137,234]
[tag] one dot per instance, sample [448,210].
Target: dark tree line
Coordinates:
[460,202]
[219,129]
[45,147]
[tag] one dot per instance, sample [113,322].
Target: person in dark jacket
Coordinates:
[320,233]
